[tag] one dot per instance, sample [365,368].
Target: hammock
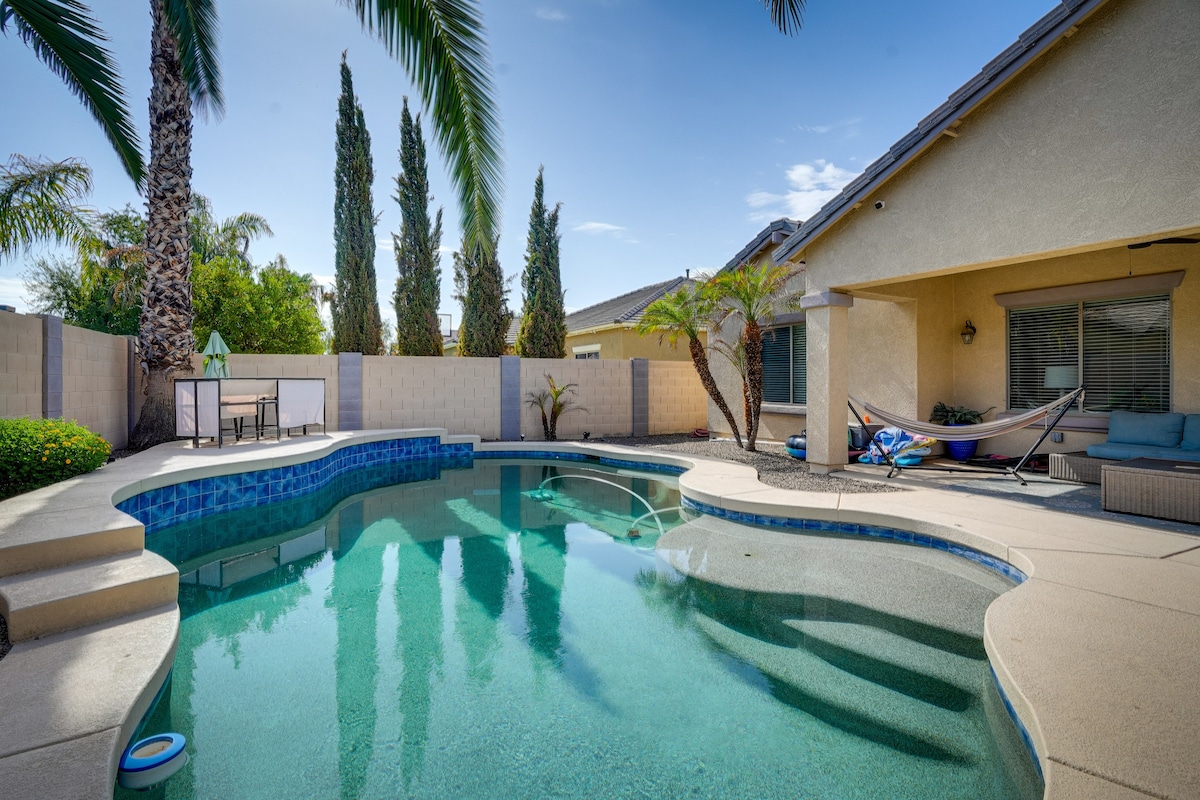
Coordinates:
[969,433]
[982,430]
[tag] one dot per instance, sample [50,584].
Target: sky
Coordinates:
[671,131]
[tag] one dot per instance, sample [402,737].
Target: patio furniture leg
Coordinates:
[887,456]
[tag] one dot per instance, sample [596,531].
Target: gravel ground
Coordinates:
[775,467]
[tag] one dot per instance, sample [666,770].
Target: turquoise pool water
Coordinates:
[469,634]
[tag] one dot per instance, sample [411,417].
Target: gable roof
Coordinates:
[1031,44]
[776,232]
[624,310]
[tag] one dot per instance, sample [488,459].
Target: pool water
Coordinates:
[488,632]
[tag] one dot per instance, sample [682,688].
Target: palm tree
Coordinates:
[751,294]
[40,200]
[553,403]
[64,36]
[686,313]
[440,43]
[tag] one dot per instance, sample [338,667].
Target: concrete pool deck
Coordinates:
[1097,651]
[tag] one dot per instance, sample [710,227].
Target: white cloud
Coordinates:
[812,186]
[385,244]
[596,228]
[12,293]
[550,14]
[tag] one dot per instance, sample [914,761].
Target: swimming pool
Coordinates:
[493,631]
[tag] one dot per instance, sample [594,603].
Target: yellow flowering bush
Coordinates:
[38,452]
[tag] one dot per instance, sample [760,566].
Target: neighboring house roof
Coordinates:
[1059,23]
[775,233]
[624,310]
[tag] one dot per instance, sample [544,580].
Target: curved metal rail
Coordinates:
[629,492]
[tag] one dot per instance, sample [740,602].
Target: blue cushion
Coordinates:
[1156,430]
[1124,452]
[1191,432]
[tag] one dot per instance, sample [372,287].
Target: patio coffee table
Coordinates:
[1152,488]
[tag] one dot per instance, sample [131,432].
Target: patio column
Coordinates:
[827,356]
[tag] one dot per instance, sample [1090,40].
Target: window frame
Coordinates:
[789,323]
[1088,294]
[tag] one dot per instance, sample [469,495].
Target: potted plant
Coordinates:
[958,415]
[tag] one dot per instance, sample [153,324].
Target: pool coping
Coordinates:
[1095,651]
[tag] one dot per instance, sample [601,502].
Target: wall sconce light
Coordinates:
[968,333]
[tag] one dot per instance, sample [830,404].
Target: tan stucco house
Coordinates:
[1053,203]
[609,329]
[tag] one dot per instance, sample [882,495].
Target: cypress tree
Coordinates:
[481,290]
[418,287]
[543,331]
[357,326]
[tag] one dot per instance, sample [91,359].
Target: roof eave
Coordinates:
[981,87]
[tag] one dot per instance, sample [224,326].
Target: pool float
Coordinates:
[797,446]
[151,761]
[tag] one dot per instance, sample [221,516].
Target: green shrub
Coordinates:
[39,452]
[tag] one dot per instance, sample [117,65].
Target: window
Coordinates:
[1121,347]
[592,354]
[785,369]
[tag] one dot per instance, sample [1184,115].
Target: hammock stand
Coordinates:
[970,432]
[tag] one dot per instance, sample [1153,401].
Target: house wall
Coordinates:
[96,382]
[1092,145]
[625,343]
[21,354]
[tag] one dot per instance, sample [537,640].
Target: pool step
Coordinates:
[51,537]
[849,702]
[909,667]
[37,604]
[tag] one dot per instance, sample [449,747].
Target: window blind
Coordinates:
[1120,348]
[777,365]
[1127,354]
[785,373]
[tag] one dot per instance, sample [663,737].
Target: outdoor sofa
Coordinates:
[1170,437]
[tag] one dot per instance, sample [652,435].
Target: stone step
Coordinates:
[72,701]
[853,704]
[949,680]
[48,536]
[37,604]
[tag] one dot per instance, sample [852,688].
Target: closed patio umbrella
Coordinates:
[215,364]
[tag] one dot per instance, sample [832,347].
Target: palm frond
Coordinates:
[195,26]
[64,36]
[787,15]
[39,200]
[441,45]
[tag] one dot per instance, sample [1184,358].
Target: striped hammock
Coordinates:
[969,433]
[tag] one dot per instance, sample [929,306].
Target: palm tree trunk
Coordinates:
[165,341]
[752,339]
[700,361]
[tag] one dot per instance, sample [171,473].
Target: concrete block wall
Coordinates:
[100,382]
[605,389]
[95,382]
[678,401]
[21,356]
[461,395]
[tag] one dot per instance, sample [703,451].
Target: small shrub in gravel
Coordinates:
[39,452]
